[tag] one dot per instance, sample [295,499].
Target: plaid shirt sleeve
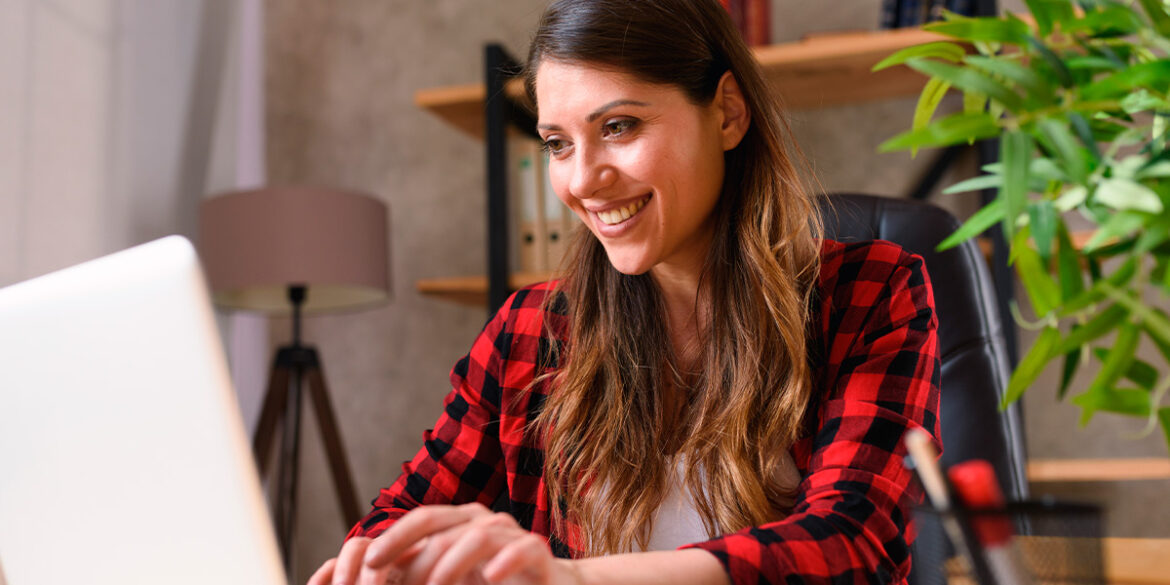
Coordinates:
[880,373]
[460,460]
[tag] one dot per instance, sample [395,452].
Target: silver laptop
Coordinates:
[123,456]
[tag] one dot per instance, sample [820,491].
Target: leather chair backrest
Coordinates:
[975,367]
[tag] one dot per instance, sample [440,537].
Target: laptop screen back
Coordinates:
[123,456]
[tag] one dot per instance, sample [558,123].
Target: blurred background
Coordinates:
[117,117]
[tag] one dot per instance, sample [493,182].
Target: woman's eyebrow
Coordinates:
[603,109]
[599,112]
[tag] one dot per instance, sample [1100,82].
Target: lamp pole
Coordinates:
[290,436]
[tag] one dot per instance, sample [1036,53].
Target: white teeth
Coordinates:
[616,216]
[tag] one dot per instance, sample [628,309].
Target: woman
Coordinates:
[712,394]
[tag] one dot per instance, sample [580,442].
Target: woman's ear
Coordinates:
[736,117]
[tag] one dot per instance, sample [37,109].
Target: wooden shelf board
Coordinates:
[834,69]
[822,70]
[472,290]
[1136,561]
[1089,470]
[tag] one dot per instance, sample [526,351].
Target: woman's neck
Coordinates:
[684,316]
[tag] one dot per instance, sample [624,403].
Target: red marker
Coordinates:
[975,485]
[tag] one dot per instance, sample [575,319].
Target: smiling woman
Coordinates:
[712,393]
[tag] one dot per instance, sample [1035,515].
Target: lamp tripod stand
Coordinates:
[293,365]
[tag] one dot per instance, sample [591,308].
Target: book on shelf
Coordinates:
[906,13]
[753,19]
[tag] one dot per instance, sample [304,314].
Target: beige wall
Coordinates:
[341,76]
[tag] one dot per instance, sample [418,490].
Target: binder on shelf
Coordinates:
[530,246]
[544,224]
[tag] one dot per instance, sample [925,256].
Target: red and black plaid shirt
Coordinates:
[878,370]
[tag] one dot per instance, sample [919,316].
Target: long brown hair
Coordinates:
[611,435]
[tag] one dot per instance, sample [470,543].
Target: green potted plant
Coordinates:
[1078,99]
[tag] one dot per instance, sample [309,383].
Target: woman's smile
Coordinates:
[613,216]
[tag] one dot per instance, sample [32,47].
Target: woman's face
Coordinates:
[639,163]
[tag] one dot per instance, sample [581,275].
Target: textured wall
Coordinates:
[340,83]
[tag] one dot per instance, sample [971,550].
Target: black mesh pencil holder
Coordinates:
[1052,542]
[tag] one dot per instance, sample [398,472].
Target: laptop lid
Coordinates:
[123,456]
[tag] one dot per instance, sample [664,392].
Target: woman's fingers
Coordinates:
[476,544]
[524,553]
[323,575]
[349,561]
[417,525]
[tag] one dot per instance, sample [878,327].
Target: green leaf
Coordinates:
[1059,69]
[983,29]
[1153,321]
[1124,194]
[1121,224]
[1092,63]
[1042,291]
[1154,76]
[1102,323]
[944,50]
[1157,170]
[1141,373]
[1068,265]
[1156,10]
[1164,418]
[1128,402]
[1141,101]
[974,102]
[928,102]
[1042,220]
[977,224]
[1085,133]
[975,184]
[1049,12]
[953,129]
[1061,142]
[1070,199]
[1072,359]
[1031,365]
[1113,21]
[1044,168]
[1100,395]
[1033,84]
[1163,345]
[1016,147]
[968,79]
[1119,278]
[1152,237]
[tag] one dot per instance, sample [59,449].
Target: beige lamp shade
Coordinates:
[255,244]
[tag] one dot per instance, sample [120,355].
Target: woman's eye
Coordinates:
[618,127]
[553,146]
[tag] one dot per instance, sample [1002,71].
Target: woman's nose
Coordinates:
[591,174]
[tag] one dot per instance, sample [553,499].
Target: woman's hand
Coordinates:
[448,545]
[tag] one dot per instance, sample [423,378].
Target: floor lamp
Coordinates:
[295,250]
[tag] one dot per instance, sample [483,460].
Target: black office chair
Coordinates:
[975,368]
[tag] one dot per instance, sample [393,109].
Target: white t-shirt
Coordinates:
[677,520]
